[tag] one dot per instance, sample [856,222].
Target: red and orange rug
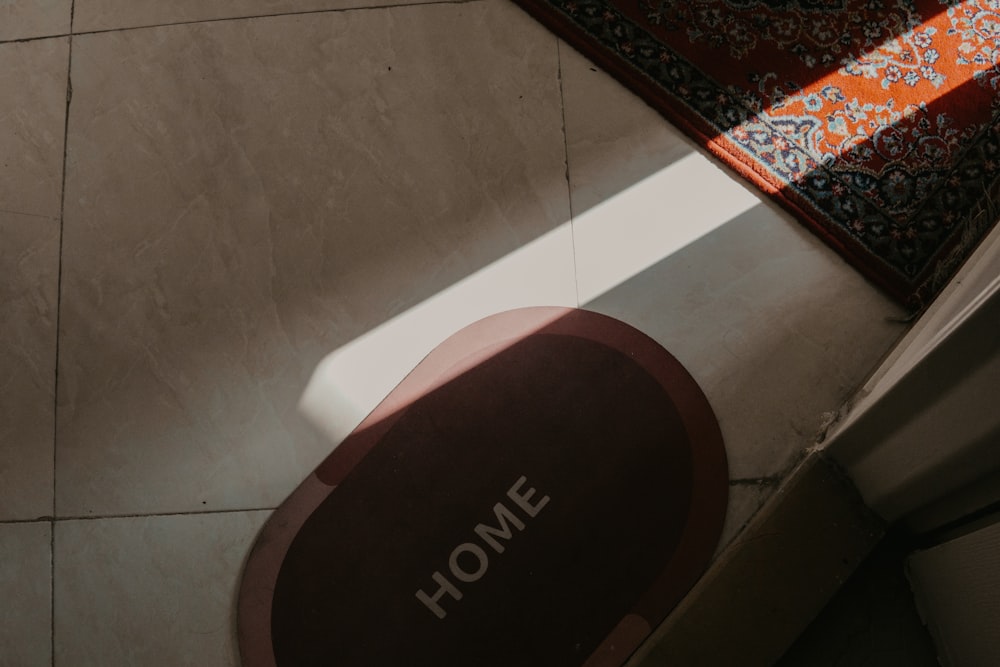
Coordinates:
[876,122]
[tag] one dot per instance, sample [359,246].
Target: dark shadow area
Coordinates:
[931,382]
[871,622]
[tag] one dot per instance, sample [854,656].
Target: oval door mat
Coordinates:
[541,490]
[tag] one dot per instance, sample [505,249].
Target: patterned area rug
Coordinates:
[876,122]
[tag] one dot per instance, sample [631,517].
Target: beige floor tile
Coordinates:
[26,591]
[772,324]
[244,197]
[29,265]
[616,141]
[32,123]
[150,591]
[37,18]
[92,15]
[775,329]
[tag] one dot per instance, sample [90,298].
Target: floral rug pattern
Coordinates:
[876,121]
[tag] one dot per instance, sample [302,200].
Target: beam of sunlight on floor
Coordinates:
[652,220]
[614,241]
[350,382]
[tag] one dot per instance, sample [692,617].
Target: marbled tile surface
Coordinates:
[151,591]
[25,589]
[91,15]
[35,18]
[32,122]
[245,196]
[772,324]
[29,266]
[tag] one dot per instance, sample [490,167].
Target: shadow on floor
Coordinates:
[872,621]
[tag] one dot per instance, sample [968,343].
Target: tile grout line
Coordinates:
[756,481]
[569,189]
[334,10]
[25,40]
[138,515]
[55,384]
[29,215]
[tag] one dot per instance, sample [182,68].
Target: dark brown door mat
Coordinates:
[542,489]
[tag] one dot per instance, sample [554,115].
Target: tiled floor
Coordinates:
[241,188]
